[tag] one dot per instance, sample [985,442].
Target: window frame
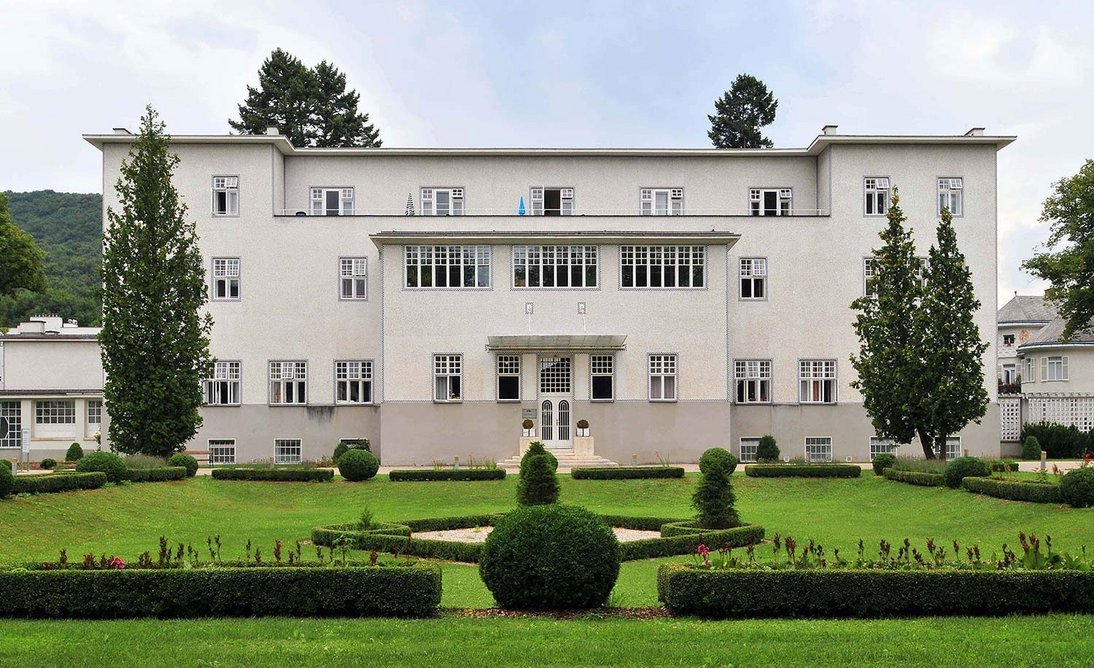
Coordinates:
[594,373]
[343,209]
[96,412]
[229,188]
[12,411]
[1060,362]
[477,251]
[1031,370]
[210,384]
[55,411]
[951,442]
[645,253]
[366,377]
[672,359]
[353,278]
[674,200]
[1010,342]
[812,380]
[287,442]
[877,443]
[437,374]
[213,444]
[454,193]
[282,382]
[499,373]
[876,194]
[538,205]
[759,379]
[548,255]
[752,278]
[754,445]
[809,457]
[783,195]
[227,278]
[945,187]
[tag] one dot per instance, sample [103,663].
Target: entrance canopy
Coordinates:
[534,343]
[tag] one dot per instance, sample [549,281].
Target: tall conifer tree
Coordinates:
[741,114]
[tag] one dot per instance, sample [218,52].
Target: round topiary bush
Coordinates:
[550,558]
[883,461]
[1077,487]
[7,480]
[347,444]
[1031,449]
[75,453]
[185,460]
[356,465]
[767,450]
[965,467]
[48,464]
[536,448]
[107,462]
[718,458]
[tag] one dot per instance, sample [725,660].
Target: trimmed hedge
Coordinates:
[679,538]
[58,482]
[107,462]
[155,475]
[713,458]
[222,592]
[189,462]
[803,471]
[1035,492]
[1004,467]
[862,593]
[7,480]
[882,461]
[275,475]
[1077,487]
[397,542]
[414,475]
[964,467]
[920,478]
[627,473]
[1059,441]
[356,465]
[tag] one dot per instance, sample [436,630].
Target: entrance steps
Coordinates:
[566,460]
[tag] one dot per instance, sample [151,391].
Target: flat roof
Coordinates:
[503,237]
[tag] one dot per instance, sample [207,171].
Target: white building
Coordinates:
[677,299]
[1020,320]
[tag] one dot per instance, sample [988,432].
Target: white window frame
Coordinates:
[12,411]
[951,194]
[1031,375]
[225,387]
[353,278]
[227,274]
[347,200]
[94,411]
[748,447]
[818,449]
[1054,368]
[953,447]
[429,200]
[439,261]
[507,366]
[288,377]
[353,377]
[229,187]
[222,451]
[447,367]
[753,273]
[1006,342]
[55,411]
[534,264]
[288,451]
[649,200]
[664,371]
[813,376]
[879,446]
[784,201]
[602,366]
[876,192]
[755,375]
[679,262]
[536,195]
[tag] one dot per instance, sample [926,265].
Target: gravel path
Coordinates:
[479,534]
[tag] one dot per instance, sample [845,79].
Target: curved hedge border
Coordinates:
[860,593]
[916,477]
[803,471]
[277,475]
[155,475]
[627,473]
[54,482]
[415,475]
[1035,492]
[222,592]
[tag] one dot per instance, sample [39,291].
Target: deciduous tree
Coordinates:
[22,263]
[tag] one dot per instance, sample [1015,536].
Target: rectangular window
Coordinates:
[817,381]
[753,277]
[353,382]
[447,266]
[661,201]
[880,446]
[818,449]
[353,277]
[877,195]
[288,383]
[951,195]
[94,411]
[1030,377]
[662,377]
[447,377]
[508,377]
[287,451]
[332,201]
[223,388]
[602,368]
[753,378]
[225,195]
[770,201]
[61,411]
[748,449]
[552,201]
[953,447]
[1054,368]
[442,201]
[226,278]
[555,266]
[662,266]
[222,451]
[11,414]
[1008,339]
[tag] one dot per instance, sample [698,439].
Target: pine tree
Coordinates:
[22,263]
[713,498]
[337,121]
[740,114]
[155,340]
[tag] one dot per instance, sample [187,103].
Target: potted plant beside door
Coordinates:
[582,427]
[583,443]
[527,435]
[528,426]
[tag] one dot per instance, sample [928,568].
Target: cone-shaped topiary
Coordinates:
[536,448]
[714,499]
[356,465]
[538,483]
[1031,449]
[75,453]
[767,450]
[184,460]
[718,457]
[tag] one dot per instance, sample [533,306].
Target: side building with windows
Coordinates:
[433,300]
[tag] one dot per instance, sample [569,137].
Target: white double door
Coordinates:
[556,399]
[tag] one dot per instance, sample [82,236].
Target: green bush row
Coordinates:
[400,543]
[413,475]
[859,593]
[57,482]
[920,478]
[678,538]
[627,473]
[1014,490]
[278,475]
[1058,441]
[155,475]
[222,592]
[803,471]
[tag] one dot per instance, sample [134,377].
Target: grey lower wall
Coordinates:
[256,427]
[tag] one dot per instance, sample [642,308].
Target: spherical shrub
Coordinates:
[75,453]
[48,464]
[550,558]
[185,460]
[883,461]
[965,467]
[347,444]
[356,465]
[536,448]
[717,458]
[107,462]
[1031,449]
[767,450]
[7,480]
[1077,487]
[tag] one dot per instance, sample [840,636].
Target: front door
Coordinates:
[555,400]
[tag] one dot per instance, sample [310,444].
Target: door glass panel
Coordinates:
[564,420]
[546,423]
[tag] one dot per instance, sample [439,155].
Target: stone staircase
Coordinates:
[567,460]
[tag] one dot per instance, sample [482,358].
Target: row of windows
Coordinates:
[288,383]
[817,381]
[819,448]
[352,278]
[222,451]
[1053,368]
[449,201]
[46,412]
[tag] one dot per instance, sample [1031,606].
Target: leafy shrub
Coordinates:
[920,465]
[155,475]
[550,557]
[1060,441]
[412,475]
[1002,466]
[685,537]
[1077,487]
[536,448]
[275,475]
[883,461]
[348,444]
[921,478]
[7,480]
[718,457]
[803,471]
[356,465]
[1014,490]
[144,462]
[964,467]
[48,484]
[538,483]
[105,462]
[48,464]
[75,453]
[627,472]
[714,497]
[767,450]
[186,461]
[1031,449]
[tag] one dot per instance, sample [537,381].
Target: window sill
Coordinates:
[663,401]
[818,403]
[508,401]
[288,405]
[355,403]
[224,405]
[602,401]
[448,401]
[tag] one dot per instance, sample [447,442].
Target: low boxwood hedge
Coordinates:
[803,471]
[58,482]
[155,475]
[1014,490]
[277,475]
[222,592]
[680,538]
[627,473]
[916,477]
[414,475]
[686,590]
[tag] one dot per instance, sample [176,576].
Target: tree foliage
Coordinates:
[155,340]
[21,261]
[713,498]
[310,106]
[1070,269]
[741,113]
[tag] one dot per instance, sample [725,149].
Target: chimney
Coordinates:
[975,132]
[122,131]
[829,129]
[273,130]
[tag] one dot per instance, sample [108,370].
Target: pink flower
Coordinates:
[117,562]
[703,550]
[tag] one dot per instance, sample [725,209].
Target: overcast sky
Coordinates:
[560,73]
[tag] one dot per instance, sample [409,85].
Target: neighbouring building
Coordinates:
[431,300]
[1020,320]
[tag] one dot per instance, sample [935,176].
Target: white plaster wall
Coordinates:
[1080,370]
[52,365]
